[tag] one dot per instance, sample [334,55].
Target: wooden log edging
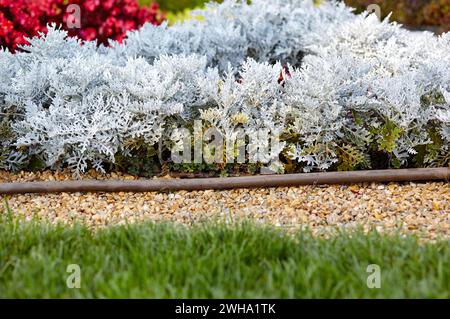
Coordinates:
[260,181]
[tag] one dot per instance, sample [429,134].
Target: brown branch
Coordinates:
[157,185]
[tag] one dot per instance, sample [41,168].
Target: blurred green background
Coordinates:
[413,13]
[176,5]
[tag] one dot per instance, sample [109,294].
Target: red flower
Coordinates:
[91,5]
[101,20]
[88,34]
[108,4]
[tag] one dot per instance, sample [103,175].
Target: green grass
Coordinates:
[213,261]
[175,6]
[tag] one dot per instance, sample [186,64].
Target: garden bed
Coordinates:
[327,129]
[280,86]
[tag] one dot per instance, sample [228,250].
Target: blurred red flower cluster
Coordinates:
[99,19]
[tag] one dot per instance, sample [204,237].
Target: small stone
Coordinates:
[418,208]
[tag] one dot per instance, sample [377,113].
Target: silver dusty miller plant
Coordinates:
[9,158]
[335,86]
[371,76]
[228,33]
[251,105]
[83,109]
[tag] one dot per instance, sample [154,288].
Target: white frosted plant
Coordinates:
[337,87]
[82,110]
[442,116]
[253,98]
[228,33]
[9,157]
[369,76]
[252,103]
[8,68]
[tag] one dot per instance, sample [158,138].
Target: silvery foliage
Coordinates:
[9,158]
[80,107]
[228,33]
[250,105]
[256,95]
[378,71]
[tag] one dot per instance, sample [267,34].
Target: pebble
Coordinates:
[418,208]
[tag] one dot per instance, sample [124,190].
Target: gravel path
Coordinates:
[423,209]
